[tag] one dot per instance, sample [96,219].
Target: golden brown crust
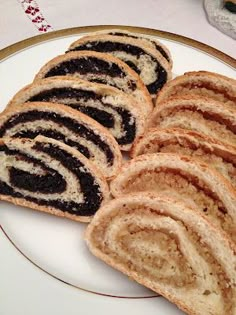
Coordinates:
[171,160]
[224,113]
[31,205]
[159,139]
[223,84]
[177,134]
[106,57]
[151,41]
[198,101]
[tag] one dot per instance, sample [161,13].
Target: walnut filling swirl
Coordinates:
[222,158]
[159,247]
[193,116]
[185,179]
[207,89]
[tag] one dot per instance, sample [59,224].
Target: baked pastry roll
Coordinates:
[153,42]
[201,114]
[202,83]
[184,178]
[120,113]
[47,175]
[101,68]
[145,60]
[169,248]
[186,142]
[67,125]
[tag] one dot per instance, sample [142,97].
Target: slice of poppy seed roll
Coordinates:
[202,114]
[120,113]
[153,42]
[168,247]
[101,68]
[201,83]
[182,177]
[46,175]
[186,142]
[67,125]
[150,65]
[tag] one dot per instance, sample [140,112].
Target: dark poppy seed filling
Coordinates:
[66,92]
[47,184]
[158,47]
[109,47]
[106,119]
[86,65]
[50,182]
[90,189]
[69,123]
[53,181]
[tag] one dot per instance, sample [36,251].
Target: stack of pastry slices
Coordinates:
[63,135]
[171,223]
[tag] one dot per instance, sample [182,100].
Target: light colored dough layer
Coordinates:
[147,63]
[72,192]
[169,248]
[140,93]
[184,178]
[109,95]
[151,41]
[201,83]
[201,114]
[185,142]
[98,156]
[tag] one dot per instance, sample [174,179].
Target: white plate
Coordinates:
[56,245]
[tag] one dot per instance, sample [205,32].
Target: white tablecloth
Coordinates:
[185,17]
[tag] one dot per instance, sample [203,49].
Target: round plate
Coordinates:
[56,245]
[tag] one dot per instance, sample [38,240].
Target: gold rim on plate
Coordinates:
[8,51]
[17,47]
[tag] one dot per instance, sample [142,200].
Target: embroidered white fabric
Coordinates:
[185,17]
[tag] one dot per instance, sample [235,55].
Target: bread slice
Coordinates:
[120,113]
[100,68]
[67,125]
[151,41]
[184,178]
[47,175]
[202,83]
[201,114]
[169,248]
[153,68]
[186,142]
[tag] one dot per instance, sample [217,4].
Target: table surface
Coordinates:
[185,17]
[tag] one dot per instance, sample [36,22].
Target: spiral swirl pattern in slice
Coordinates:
[47,175]
[169,248]
[120,113]
[186,179]
[67,125]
